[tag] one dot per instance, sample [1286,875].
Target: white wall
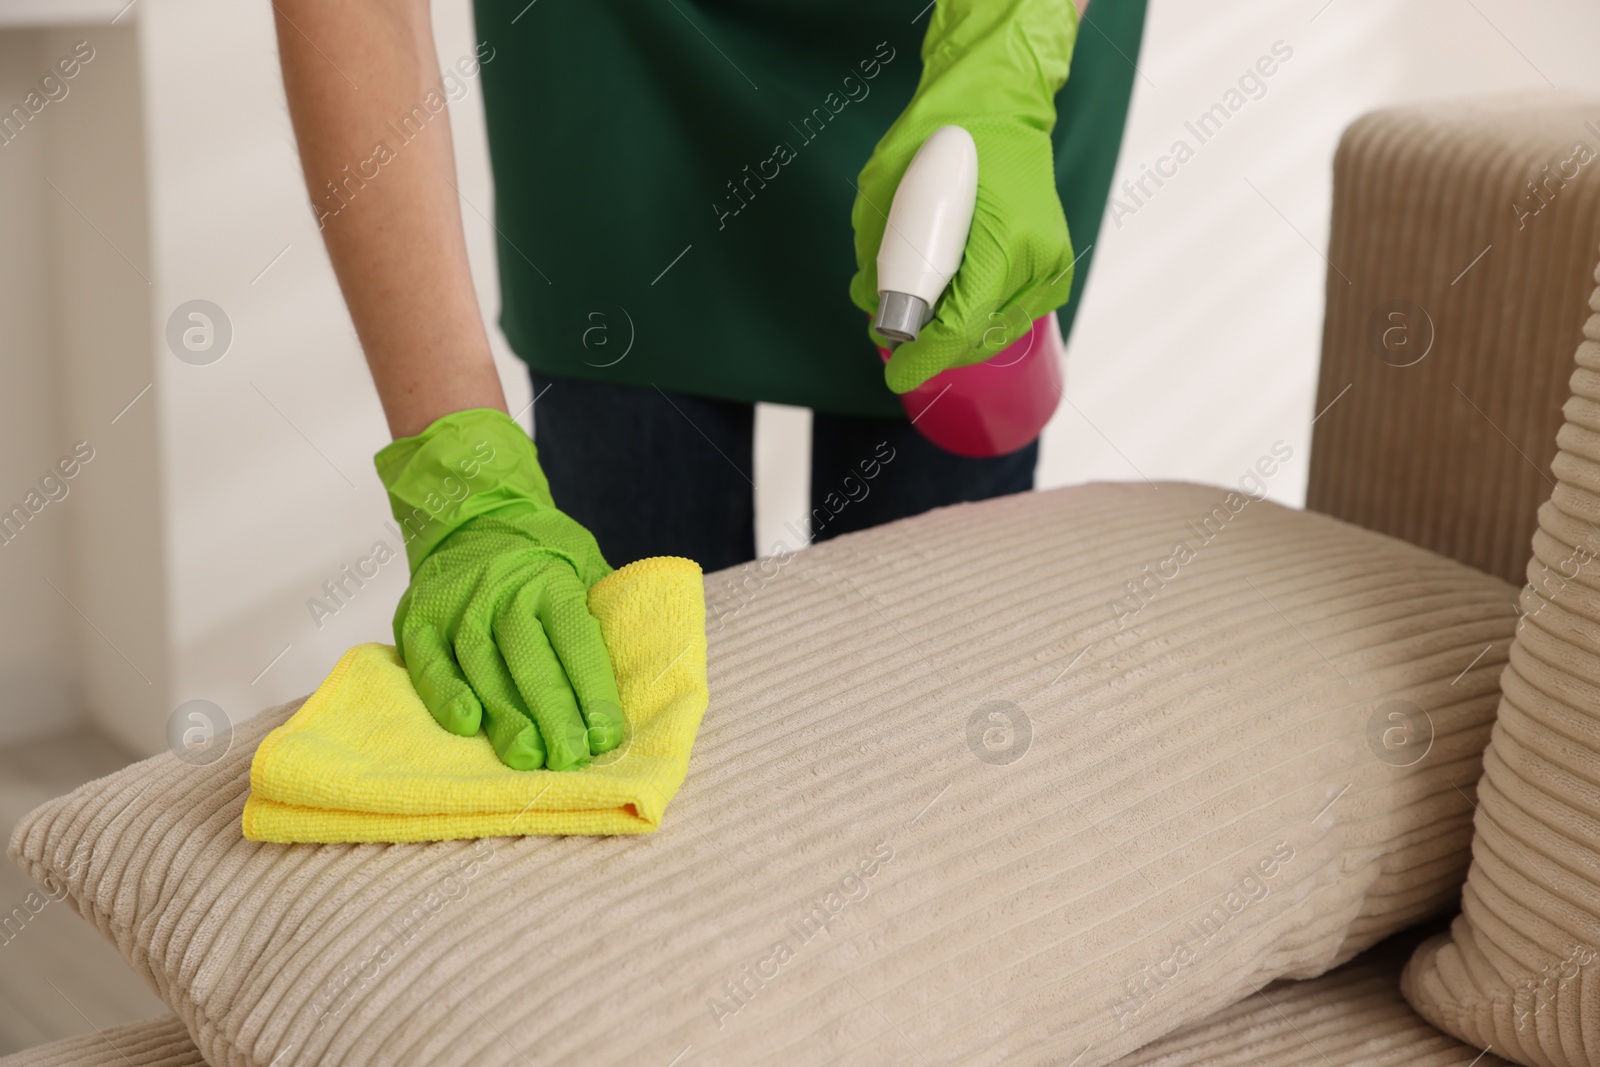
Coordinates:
[103,283]
[36,671]
[1196,348]
[83,582]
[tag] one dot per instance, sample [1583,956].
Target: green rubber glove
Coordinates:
[495,628]
[993,67]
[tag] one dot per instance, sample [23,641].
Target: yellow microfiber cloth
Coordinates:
[363,760]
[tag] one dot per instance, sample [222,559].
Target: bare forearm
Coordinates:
[384,190]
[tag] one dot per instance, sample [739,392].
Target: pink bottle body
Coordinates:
[995,407]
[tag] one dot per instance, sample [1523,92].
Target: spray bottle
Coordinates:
[990,408]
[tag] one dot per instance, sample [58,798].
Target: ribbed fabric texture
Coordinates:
[960,796]
[1350,1017]
[1453,452]
[159,1042]
[1519,966]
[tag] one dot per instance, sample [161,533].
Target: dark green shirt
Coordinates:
[673,182]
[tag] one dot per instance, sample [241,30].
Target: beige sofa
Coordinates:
[1003,791]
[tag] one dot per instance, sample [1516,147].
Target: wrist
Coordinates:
[463,465]
[415,397]
[974,46]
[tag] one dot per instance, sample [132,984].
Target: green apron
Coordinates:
[673,182]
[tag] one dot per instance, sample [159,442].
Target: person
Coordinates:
[678,187]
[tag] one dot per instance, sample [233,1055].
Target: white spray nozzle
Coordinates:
[927,233]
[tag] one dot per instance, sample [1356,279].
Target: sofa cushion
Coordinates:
[1024,781]
[1352,1016]
[1517,967]
[159,1042]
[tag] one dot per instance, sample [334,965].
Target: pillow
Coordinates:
[1034,779]
[1516,968]
[1350,1017]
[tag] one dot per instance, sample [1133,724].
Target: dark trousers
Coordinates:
[653,473]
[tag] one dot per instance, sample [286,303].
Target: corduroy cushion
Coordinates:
[1517,968]
[158,1042]
[1013,782]
[1352,1016]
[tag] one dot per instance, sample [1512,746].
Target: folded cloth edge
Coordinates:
[602,805]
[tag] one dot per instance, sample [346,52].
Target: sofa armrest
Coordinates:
[1463,244]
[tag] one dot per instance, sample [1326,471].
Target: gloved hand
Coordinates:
[993,67]
[495,628]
